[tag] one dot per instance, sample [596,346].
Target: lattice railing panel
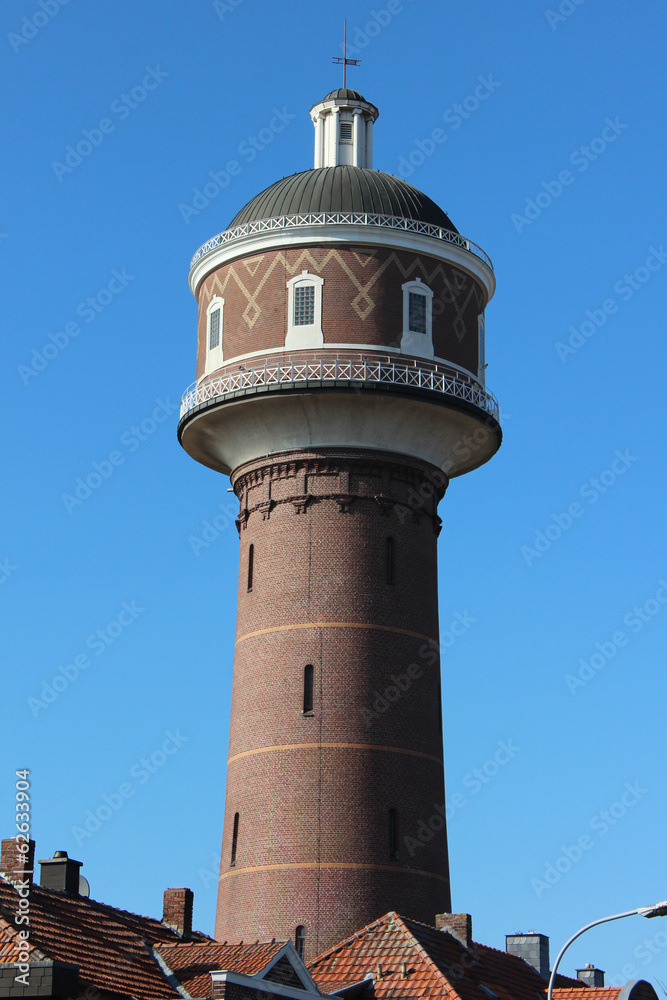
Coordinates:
[436,378]
[341,219]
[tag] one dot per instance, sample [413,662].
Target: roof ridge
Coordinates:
[452,991]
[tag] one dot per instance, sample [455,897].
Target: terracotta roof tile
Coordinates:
[193,963]
[587,992]
[409,959]
[106,943]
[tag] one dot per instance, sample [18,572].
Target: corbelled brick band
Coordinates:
[333,800]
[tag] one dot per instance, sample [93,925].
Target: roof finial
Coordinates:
[344,60]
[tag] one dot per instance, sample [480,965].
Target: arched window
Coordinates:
[389,560]
[417,319]
[304,311]
[393,834]
[235,840]
[308,674]
[214,316]
[300,941]
[251,566]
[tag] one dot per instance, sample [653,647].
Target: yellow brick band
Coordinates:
[380,628]
[320,865]
[333,746]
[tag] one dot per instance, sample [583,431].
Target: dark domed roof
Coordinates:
[344,94]
[343,189]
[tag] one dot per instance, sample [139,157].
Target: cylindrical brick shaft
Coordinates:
[335,804]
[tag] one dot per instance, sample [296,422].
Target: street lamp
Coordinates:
[657,910]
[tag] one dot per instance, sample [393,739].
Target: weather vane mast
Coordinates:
[344,60]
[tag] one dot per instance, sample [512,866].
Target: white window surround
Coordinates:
[418,344]
[303,336]
[481,364]
[214,356]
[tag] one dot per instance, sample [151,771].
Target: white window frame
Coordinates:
[304,337]
[481,348]
[418,344]
[214,357]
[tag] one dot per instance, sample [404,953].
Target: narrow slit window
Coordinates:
[393,834]
[304,305]
[439,702]
[251,566]
[417,313]
[390,560]
[308,674]
[300,941]
[346,131]
[214,329]
[235,839]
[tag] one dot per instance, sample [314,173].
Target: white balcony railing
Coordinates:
[341,218]
[442,379]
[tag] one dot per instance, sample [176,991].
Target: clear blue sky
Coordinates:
[216,78]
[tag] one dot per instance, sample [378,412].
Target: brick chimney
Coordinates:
[532,948]
[459,925]
[17,864]
[591,976]
[177,910]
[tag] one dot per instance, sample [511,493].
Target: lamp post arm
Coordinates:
[594,923]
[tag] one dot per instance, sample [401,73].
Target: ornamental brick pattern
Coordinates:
[313,790]
[362,300]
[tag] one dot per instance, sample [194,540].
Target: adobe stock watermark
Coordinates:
[7,569]
[399,685]
[645,952]
[566,9]
[97,642]
[581,158]
[121,108]
[453,118]
[591,490]
[465,448]
[601,823]
[625,288]
[212,873]
[360,38]
[248,150]
[130,440]
[474,781]
[224,7]
[31,26]
[142,771]
[211,530]
[634,620]
[88,310]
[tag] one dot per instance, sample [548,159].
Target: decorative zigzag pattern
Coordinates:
[458,287]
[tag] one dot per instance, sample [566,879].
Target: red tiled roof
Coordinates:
[588,993]
[106,943]
[409,959]
[193,963]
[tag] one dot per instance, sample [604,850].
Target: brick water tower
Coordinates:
[340,384]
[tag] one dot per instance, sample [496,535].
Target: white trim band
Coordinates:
[283,222]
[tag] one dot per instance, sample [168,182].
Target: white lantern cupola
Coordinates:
[343,123]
